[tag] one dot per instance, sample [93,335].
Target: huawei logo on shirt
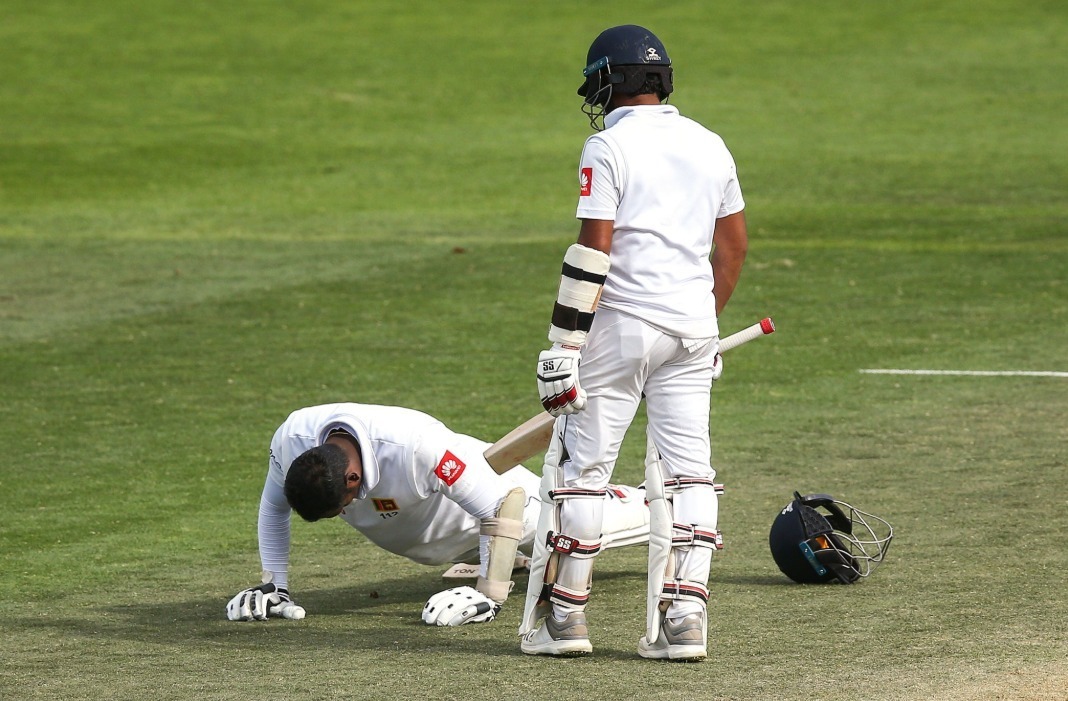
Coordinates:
[585,182]
[449,468]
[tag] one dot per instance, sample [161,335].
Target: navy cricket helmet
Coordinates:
[817,539]
[627,59]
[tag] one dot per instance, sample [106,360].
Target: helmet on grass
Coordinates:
[627,59]
[817,539]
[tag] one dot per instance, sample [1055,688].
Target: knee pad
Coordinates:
[626,517]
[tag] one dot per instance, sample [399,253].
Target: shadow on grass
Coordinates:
[381,617]
[749,580]
[378,617]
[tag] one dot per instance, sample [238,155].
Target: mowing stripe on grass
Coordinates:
[973,373]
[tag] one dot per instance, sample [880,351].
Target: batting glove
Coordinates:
[455,607]
[558,382]
[717,367]
[258,603]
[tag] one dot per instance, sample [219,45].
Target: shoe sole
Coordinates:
[560,648]
[674,653]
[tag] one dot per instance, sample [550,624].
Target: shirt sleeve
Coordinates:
[732,194]
[455,466]
[601,178]
[273,526]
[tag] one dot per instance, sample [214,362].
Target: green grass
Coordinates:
[212,215]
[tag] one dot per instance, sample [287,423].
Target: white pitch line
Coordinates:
[976,373]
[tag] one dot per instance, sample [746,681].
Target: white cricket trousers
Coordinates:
[624,359]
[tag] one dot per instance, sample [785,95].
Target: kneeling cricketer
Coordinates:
[415,488]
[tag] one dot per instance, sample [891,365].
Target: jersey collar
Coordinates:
[370,472]
[620,112]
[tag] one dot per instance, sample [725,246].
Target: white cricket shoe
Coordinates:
[682,640]
[567,638]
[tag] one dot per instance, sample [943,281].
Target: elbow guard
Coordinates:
[581,281]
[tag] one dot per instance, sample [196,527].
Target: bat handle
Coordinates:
[761,328]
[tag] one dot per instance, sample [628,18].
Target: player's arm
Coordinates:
[582,277]
[585,269]
[271,597]
[731,242]
[481,492]
[597,234]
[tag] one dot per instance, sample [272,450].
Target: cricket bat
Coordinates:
[533,435]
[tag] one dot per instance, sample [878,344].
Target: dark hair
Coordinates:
[315,484]
[653,85]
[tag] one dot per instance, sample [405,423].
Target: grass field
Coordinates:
[213,214]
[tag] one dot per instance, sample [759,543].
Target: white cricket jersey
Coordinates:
[664,180]
[424,487]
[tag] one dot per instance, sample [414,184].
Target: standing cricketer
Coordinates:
[414,488]
[659,251]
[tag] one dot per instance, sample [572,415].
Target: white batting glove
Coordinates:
[258,603]
[455,607]
[558,382]
[717,367]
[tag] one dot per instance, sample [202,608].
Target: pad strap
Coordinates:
[568,598]
[572,547]
[676,485]
[684,590]
[683,534]
[577,493]
[582,278]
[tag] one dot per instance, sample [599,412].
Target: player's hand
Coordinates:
[455,607]
[258,603]
[558,382]
[717,367]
